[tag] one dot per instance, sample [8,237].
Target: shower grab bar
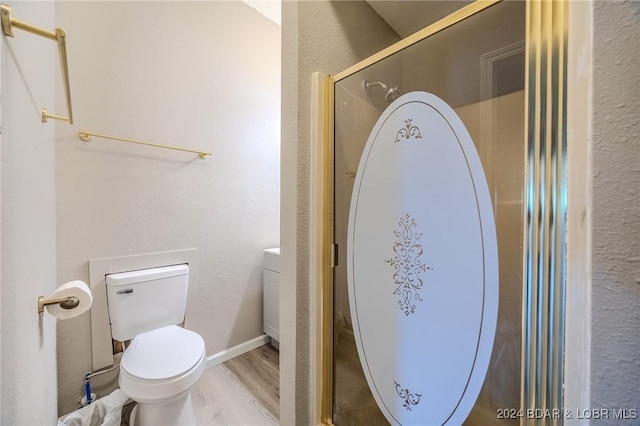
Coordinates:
[9,23]
[87,136]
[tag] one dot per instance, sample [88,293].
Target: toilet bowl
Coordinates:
[163,361]
[158,370]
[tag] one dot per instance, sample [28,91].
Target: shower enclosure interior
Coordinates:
[477,66]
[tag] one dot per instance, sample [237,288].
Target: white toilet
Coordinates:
[163,361]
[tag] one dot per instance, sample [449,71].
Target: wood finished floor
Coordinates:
[243,391]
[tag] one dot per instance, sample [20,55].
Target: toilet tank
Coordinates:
[146,299]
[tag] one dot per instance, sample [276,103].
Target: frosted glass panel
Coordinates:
[477,68]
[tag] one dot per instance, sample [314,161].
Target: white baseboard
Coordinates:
[237,350]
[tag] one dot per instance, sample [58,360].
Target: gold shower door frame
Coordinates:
[544,211]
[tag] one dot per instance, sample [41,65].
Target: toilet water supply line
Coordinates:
[87,384]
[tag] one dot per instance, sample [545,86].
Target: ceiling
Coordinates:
[408,16]
[271,9]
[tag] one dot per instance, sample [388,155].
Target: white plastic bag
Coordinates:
[105,411]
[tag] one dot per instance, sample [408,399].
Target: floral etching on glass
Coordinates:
[407,264]
[408,131]
[409,398]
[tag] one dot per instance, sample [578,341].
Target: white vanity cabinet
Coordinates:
[271,283]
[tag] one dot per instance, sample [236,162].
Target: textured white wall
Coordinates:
[28,370]
[615,325]
[324,36]
[200,75]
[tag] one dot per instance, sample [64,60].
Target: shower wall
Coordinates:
[357,117]
[200,75]
[451,67]
[503,165]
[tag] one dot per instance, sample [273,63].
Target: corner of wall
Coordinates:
[289,212]
[579,170]
[28,394]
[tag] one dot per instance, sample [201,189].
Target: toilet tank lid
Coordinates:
[142,275]
[274,251]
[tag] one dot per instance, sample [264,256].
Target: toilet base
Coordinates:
[178,411]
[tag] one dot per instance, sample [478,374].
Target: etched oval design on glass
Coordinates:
[422,264]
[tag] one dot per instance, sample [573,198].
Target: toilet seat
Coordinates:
[162,364]
[163,353]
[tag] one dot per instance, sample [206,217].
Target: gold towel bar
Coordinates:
[86,136]
[9,23]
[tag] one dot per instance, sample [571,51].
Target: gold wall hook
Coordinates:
[59,36]
[65,303]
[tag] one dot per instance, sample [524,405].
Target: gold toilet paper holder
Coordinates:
[64,302]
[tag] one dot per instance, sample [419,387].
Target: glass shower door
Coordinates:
[476,68]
